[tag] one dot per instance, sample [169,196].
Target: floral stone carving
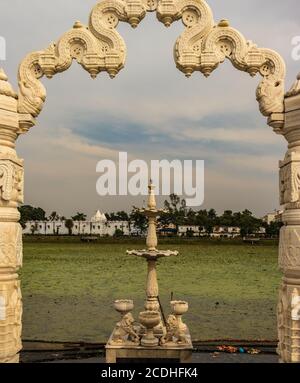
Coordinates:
[289,178]
[11,322]
[288,314]
[11,181]
[11,248]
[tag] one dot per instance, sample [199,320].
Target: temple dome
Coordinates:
[99,217]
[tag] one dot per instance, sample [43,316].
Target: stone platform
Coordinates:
[132,353]
[139,354]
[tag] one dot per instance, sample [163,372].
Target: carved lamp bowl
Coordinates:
[149,319]
[179,308]
[123,306]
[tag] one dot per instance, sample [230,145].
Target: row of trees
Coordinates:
[175,212]
[30,213]
[178,214]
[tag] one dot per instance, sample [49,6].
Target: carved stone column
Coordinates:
[11,194]
[289,247]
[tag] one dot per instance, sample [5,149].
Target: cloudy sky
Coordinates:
[150,110]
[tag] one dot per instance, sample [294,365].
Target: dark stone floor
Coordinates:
[203,358]
[205,352]
[199,357]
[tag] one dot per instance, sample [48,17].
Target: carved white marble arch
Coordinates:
[202,47]
[97,47]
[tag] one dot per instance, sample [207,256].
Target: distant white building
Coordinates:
[275,216]
[226,232]
[189,230]
[218,231]
[98,225]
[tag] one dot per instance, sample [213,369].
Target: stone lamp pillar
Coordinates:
[152,255]
[289,247]
[11,195]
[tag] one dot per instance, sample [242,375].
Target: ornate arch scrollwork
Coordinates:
[204,45]
[97,48]
[32,93]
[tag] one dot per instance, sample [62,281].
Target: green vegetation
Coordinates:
[68,288]
[29,213]
[175,213]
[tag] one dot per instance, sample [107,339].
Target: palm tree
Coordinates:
[53,216]
[79,217]
[69,225]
